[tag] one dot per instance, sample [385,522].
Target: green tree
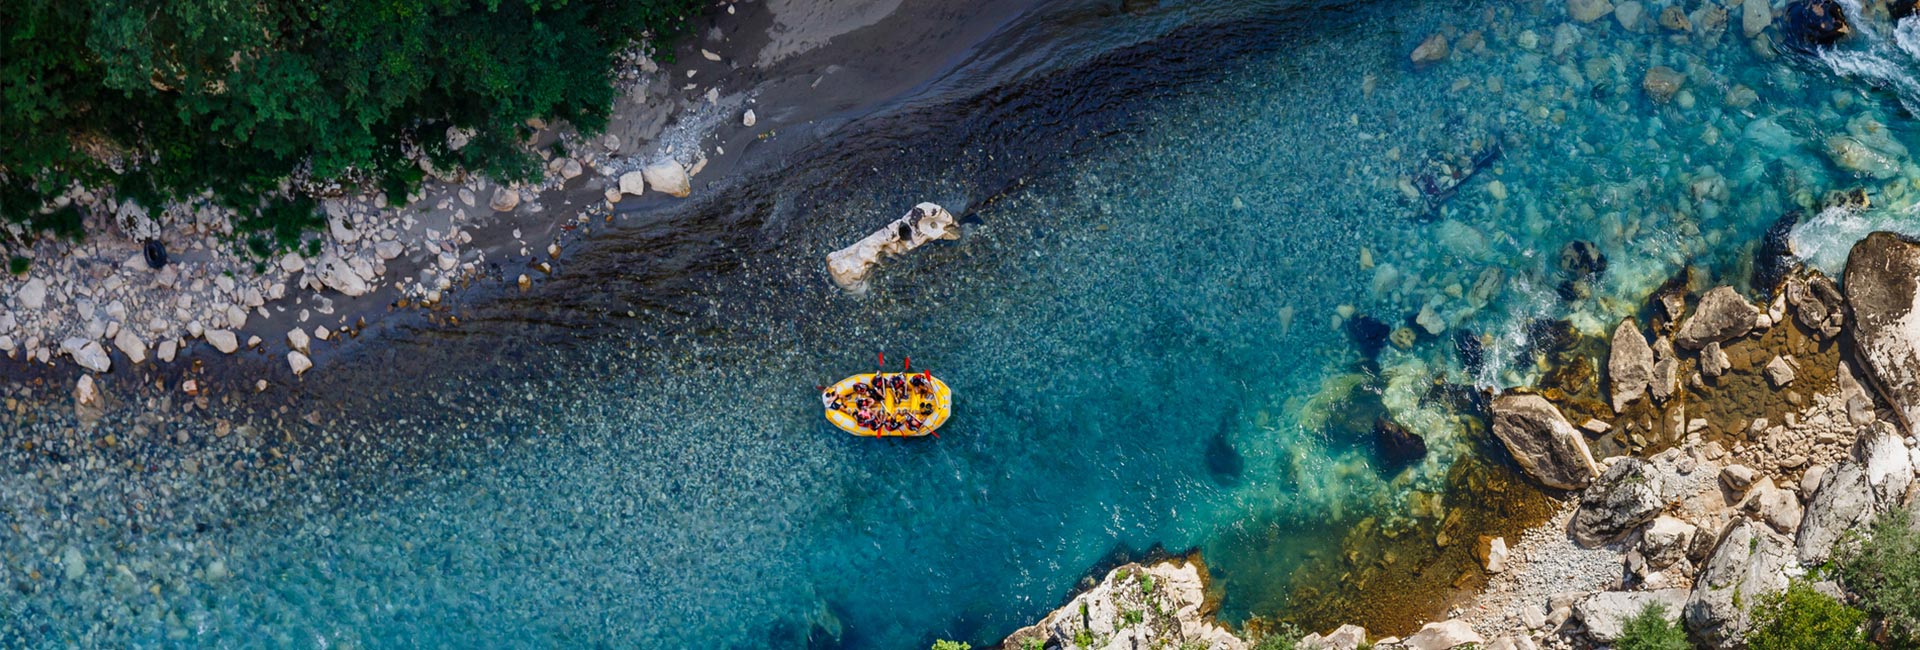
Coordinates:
[1801,618]
[165,99]
[944,644]
[1885,571]
[1650,630]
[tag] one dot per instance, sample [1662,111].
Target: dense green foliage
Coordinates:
[1801,618]
[232,96]
[1650,630]
[1283,636]
[1885,572]
[944,644]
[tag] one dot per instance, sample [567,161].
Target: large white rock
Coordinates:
[1749,562]
[84,391]
[924,223]
[131,345]
[297,339]
[1888,464]
[339,275]
[222,340]
[298,362]
[1882,285]
[88,353]
[1546,446]
[1606,613]
[1629,364]
[1843,503]
[33,295]
[633,183]
[1345,637]
[292,263]
[165,351]
[1136,606]
[668,177]
[1443,635]
[505,199]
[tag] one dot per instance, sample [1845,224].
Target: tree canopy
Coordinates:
[169,98]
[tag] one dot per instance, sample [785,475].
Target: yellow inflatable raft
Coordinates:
[896,405]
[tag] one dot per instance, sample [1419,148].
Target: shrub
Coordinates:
[1885,571]
[232,97]
[1650,630]
[944,644]
[1801,618]
[1283,636]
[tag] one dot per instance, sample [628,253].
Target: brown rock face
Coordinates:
[1881,288]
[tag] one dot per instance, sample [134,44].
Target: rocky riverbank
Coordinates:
[1728,448]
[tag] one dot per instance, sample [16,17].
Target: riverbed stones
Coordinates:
[1722,315]
[1714,361]
[668,177]
[1662,83]
[1630,13]
[1755,16]
[33,294]
[1748,562]
[223,340]
[505,199]
[298,362]
[1882,286]
[1780,371]
[633,183]
[1629,364]
[86,352]
[1627,495]
[1443,635]
[1666,371]
[1432,50]
[1587,11]
[1817,304]
[1605,614]
[1542,442]
[1843,502]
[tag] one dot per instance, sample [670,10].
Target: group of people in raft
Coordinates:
[886,404]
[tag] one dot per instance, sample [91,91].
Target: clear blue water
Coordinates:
[1143,325]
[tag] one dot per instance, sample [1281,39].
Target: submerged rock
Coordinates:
[1397,446]
[1662,83]
[1369,334]
[1721,316]
[1627,495]
[1882,285]
[1587,11]
[1811,23]
[1774,260]
[1542,442]
[1580,264]
[1432,50]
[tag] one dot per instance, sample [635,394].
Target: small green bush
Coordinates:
[1801,619]
[1885,571]
[944,644]
[18,265]
[1650,630]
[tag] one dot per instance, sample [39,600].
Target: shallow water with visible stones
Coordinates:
[1144,327]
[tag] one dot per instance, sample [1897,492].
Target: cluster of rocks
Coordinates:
[1698,528]
[146,283]
[1135,606]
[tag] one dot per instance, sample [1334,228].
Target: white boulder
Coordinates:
[667,177]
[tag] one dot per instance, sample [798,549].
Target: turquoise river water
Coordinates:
[1170,230]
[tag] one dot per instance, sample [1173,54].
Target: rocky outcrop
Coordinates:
[1888,464]
[926,222]
[1882,278]
[1663,543]
[1629,364]
[1749,560]
[1443,635]
[1345,637]
[1135,606]
[1627,495]
[1843,502]
[1542,442]
[1606,613]
[1722,315]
